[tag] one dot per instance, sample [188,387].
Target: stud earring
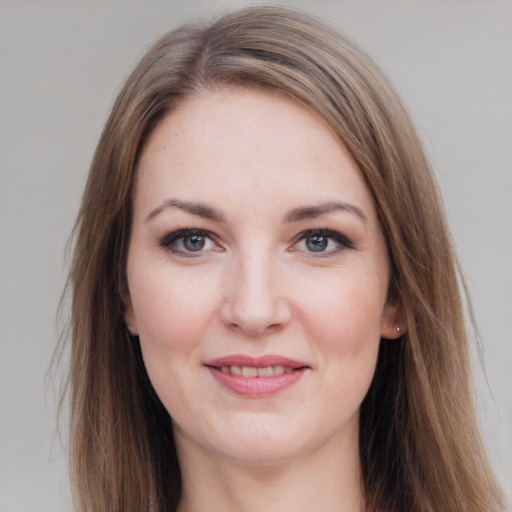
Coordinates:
[397,328]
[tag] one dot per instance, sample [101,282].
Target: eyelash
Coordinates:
[168,240]
[172,238]
[341,240]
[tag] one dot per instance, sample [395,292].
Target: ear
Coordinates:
[393,322]
[129,316]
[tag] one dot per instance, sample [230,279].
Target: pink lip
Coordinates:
[256,386]
[258,362]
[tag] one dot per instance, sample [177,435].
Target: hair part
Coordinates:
[419,444]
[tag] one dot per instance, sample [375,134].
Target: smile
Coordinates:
[253,371]
[256,377]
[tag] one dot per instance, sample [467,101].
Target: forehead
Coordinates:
[253,145]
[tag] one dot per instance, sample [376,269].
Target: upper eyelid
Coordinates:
[343,243]
[328,233]
[171,237]
[175,235]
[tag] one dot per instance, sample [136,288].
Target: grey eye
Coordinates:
[317,243]
[194,242]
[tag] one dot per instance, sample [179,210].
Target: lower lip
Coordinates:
[256,386]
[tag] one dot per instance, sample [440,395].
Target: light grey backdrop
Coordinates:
[60,66]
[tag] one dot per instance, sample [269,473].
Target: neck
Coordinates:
[323,480]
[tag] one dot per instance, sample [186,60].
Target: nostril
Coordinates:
[255,330]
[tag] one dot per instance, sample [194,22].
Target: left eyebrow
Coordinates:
[315,211]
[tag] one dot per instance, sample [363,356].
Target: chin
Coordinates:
[263,453]
[270,443]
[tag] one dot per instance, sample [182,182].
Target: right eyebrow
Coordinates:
[199,209]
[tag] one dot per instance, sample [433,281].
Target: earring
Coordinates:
[397,328]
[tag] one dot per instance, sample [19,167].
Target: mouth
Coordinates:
[256,377]
[254,371]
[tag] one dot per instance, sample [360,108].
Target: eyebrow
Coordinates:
[295,215]
[313,212]
[199,209]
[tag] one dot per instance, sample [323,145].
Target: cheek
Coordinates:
[345,310]
[172,309]
[344,322]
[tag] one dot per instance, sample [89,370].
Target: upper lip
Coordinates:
[255,362]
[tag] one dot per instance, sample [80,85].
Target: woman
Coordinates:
[265,301]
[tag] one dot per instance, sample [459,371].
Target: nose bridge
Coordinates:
[255,302]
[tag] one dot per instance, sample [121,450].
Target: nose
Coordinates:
[255,303]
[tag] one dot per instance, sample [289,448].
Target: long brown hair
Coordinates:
[419,445]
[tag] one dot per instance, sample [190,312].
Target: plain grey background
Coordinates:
[60,66]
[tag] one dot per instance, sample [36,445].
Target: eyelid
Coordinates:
[174,236]
[342,240]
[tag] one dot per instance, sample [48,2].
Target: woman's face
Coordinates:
[257,276]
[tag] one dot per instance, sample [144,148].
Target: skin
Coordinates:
[256,287]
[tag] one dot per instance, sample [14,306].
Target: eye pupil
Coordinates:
[317,243]
[194,242]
